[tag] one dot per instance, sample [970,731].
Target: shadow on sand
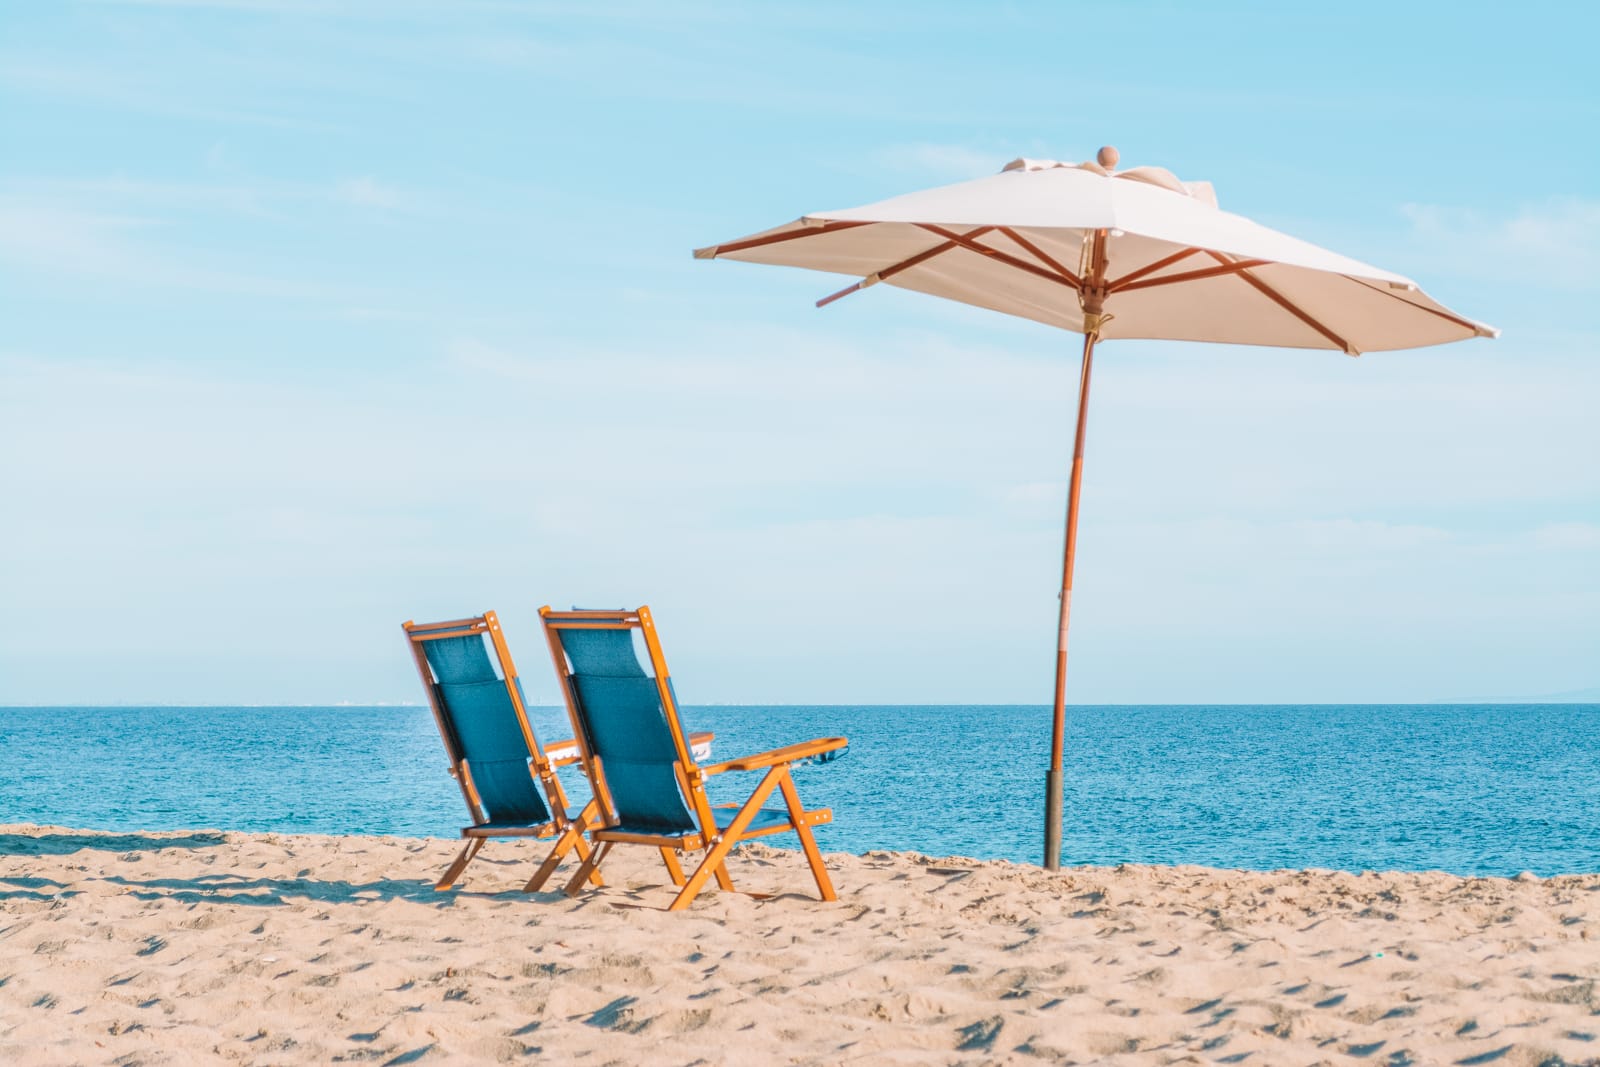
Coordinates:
[219,888]
[276,892]
[50,844]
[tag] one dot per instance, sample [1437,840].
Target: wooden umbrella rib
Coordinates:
[1039,254]
[787,235]
[888,272]
[995,254]
[1288,305]
[1458,320]
[1230,267]
[1159,264]
[855,287]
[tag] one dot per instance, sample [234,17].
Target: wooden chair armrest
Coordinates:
[563,753]
[787,754]
[566,753]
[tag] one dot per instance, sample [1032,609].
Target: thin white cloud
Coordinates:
[121,91]
[240,194]
[1243,540]
[1557,241]
[1173,431]
[941,161]
[284,7]
[133,230]
[77,242]
[1568,537]
[866,472]
[368,192]
[118,248]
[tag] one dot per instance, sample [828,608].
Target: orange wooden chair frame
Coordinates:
[717,841]
[567,831]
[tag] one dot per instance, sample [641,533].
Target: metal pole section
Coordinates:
[1054,780]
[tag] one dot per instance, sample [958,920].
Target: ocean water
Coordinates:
[1474,789]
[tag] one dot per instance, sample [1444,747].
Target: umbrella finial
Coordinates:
[1108,157]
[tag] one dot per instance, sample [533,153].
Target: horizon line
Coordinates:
[1578,702]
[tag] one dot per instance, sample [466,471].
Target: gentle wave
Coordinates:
[1473,789]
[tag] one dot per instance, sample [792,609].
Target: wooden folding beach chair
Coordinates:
[507,780]
[650,787]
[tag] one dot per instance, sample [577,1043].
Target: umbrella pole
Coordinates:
[1054,779]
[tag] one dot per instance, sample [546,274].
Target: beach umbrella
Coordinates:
[1109,254]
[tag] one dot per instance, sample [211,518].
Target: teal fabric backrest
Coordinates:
[484,722]
[626,727]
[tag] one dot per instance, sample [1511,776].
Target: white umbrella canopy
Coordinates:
[1108,254]
[1176,267]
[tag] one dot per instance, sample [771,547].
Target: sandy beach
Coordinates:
[276,949]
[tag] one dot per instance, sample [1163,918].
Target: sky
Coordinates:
[316,317]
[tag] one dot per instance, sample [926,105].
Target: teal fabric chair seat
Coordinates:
[510,787]
[642,768]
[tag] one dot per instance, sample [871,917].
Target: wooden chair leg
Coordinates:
[670,857]
[808,843]
[724,877]
[454,871]
[718,853]
[590,866]
[589,819]
[582,848]
[571,838]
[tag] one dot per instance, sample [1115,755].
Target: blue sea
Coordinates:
[1473,789]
